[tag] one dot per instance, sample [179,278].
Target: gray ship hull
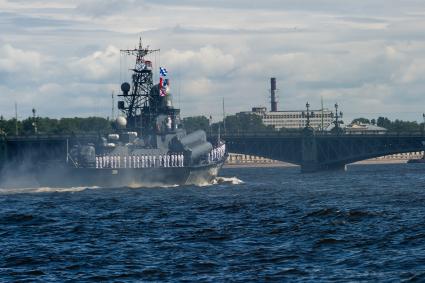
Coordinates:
[62,176]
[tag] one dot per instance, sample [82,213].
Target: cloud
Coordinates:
[100,65]
[101,8]
[208,62]
[15,60]
[367,54]
[415,72]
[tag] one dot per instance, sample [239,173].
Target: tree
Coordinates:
[404,126]
[361,121]
[191,124]
[383,122]
[398,125]
[47,125]
[95,124]
[243,123]
[54,126]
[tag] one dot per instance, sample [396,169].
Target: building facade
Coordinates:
[361,128]
[319,119]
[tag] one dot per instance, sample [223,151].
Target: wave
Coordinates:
[216,181]
[32,190]
[150,185]
[227,180]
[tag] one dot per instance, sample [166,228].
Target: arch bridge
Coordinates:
[315,151]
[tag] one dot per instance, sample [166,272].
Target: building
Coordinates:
[291,119]
[361,128]
[294,119]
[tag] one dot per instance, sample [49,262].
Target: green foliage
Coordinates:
[8,126]
[191,124]
[361,120]
[404,126]
[243,123]
[238,123]
[398,125]
[392,126]
[383,122]
[55,126]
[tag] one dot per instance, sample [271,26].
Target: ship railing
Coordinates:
[139,161]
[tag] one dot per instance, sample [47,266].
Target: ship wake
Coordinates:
[33,190]
[221,181]
[228,180]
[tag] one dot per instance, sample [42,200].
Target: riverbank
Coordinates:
[285,164]
[241,161]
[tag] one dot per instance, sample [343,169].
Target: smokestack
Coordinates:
[273,95]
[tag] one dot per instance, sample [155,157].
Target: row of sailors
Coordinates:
[140,161]
[217,153]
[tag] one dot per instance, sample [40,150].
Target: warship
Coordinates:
[148,147]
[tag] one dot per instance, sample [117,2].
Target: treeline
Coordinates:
[75,125]
[393,126]
[238,123]
[233,124]
[246,122]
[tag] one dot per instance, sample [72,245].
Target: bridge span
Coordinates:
[315,151]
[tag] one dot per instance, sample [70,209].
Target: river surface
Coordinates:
[363,225]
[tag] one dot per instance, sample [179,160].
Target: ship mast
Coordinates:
[136,96]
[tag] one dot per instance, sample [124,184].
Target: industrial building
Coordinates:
[293,119]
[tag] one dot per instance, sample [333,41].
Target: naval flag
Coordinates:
[163,86]
[163,72]
[163,81]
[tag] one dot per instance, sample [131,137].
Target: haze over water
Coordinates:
[366,224]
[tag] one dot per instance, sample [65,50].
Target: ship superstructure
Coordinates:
[149,145]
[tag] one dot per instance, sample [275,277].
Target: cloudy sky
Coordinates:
[62,57]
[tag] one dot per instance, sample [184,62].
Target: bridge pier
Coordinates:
[310,158]
[3,151]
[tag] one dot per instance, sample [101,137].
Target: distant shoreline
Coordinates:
[284,164]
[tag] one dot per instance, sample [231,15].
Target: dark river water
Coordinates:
[363,225]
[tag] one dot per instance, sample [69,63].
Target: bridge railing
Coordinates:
[373,133]
[297,133]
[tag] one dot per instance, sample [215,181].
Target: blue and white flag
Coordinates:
[163,72]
